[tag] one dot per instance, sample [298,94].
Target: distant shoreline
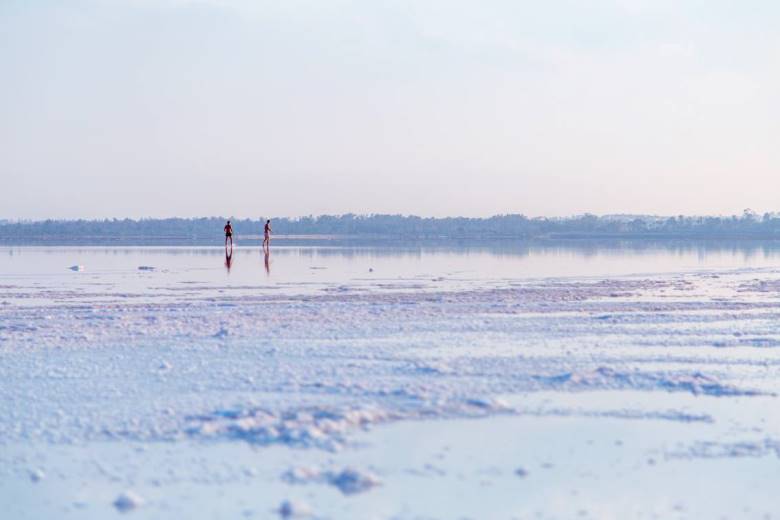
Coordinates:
[330,228]
[568,240]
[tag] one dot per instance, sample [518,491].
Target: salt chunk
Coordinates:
[128,501]
[293,509]
[301,475]
[351,481]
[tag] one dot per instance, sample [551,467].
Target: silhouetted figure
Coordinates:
[268,261]
[229,257]
[267,234]
[228,234]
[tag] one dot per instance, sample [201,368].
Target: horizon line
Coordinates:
[746,212]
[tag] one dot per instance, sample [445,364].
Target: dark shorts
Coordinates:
[228,235]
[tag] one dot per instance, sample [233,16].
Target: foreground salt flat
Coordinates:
[632,396]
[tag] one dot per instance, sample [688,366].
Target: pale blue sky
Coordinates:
[171,107]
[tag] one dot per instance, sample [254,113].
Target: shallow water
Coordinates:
[625,381]
[150,271]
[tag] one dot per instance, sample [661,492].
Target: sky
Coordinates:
[141,108]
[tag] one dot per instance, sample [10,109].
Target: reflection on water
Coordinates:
[176,271]
[341,260]
[348,248]
[229,257]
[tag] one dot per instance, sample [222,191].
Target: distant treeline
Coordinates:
[747,225]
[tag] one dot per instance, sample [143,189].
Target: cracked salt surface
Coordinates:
[406,398]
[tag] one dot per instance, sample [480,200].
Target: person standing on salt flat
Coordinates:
[267,234]
[228,234]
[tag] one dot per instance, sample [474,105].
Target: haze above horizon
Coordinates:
[174,107]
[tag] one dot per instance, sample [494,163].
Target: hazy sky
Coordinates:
[247,108]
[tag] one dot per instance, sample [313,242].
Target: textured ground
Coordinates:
[646,397]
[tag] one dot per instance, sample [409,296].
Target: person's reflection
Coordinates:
[267,254]
[229,257]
